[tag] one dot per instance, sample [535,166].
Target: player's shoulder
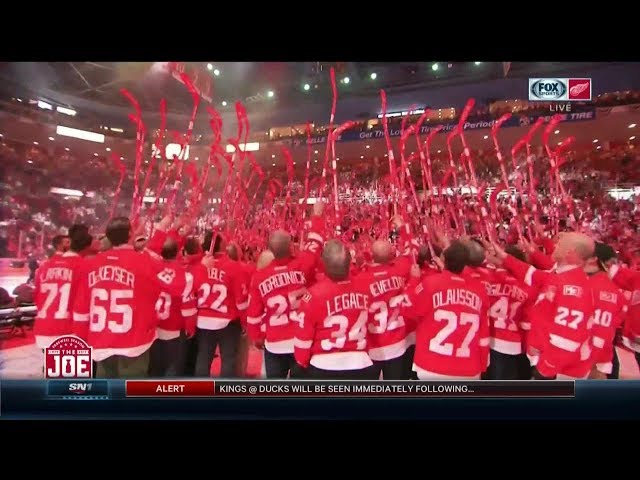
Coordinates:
[262,273]
[475,285]
[321,288]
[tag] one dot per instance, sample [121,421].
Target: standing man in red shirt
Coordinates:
[176,318]
[222,292]
[114,307]
[611,308]
[561,321]
[390,342]
[331,329]
[452,334]
[55,282]
[275,295]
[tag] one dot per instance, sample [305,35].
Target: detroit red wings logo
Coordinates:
[578,89]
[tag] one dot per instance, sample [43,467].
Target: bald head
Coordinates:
[382,251]
[476,253]
[585,246]
[232,251]
[574,248]
[336,259]
[280,244]
[265,258]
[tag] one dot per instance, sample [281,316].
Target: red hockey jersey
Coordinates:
[276,292]
[221,289]
[54,287]
[176,313]
[331,328]
[387,331]
[507,297]
[629,280]
[561,321]
[610,309]
[114,308]
[452,335]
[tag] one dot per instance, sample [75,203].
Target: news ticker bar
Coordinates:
[99,389]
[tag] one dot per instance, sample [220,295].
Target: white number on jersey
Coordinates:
[562,317]
[383,322]
[602,318]
[115,300]
[219,291]
[438,344]
[163,306]
[188,287]
[52,290]
[339,336]
[281,303]
[502,313]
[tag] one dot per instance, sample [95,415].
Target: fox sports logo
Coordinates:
[548,89]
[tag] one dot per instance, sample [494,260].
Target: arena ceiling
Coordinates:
[618,127]
[292,82]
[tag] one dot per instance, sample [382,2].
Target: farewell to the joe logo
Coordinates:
[68,357]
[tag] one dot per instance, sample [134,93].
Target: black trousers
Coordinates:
[167,358]
[281,365]
[368,373]
[536,375]
[191,354]
[399,368]
[507,367]
[119,366]
[228,339]
[615,371]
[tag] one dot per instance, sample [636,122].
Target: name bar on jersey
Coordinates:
[356,389]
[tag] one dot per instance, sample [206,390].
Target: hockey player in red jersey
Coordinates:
[509,299]
[275,295]
[176,315]
[560,337]
[610,310]
[452,335]
[629,280]
[220,285]
[114,307]
[55,283]
[391,344]
[331,331]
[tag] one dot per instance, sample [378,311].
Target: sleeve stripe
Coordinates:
[528,278]
[484,342]
[243,306]
[187,312]
[80,317]
[254,320]
[305,344]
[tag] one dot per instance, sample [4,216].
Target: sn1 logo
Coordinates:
[547,89]
[68,357]
[80,388]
